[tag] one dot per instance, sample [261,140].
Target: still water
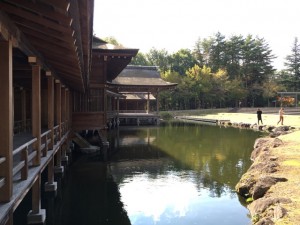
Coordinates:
[177,173]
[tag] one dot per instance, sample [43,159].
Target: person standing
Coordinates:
[281,113]
[259,112]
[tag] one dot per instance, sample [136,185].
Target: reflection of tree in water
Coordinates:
[218,156]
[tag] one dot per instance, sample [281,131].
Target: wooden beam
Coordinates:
[30,29]
[6,115]
[44,10]
[13,33]
[59,4]
[68,54]
[28,16]
[57,41]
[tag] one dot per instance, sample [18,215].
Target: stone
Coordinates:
[265,221]
[279,212]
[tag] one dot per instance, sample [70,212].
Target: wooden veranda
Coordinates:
[53,75]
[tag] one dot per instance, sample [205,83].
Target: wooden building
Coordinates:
[53,76]
[140,85]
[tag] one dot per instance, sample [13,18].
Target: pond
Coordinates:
[177,173]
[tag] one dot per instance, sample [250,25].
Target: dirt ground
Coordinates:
[289,167]
[288,158]
[268,119]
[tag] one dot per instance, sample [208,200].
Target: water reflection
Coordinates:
[177,173]
[184,174]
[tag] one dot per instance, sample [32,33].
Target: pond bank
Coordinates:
[272,183]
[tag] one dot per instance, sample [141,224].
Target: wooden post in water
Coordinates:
[36,215]
[6,115]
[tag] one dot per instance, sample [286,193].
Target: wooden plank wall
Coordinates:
[88,121]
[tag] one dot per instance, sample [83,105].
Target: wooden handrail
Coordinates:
[19,149]
[45,133]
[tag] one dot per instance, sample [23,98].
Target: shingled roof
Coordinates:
[140,77]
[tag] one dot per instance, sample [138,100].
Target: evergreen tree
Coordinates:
[293,65]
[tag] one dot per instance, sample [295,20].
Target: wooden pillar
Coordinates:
[148,102]
[157,106]
[50,185]
[50,107]
[36,215]
[24,116]
[63,108]
[6,115]
[64,121]
[58,167]
[36,108]
[105,104]
[58,107]
[118,111]
[67,109]
[157,101]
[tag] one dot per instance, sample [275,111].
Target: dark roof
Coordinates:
[141,76]
[118,57]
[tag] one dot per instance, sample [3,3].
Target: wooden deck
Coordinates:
[138,118]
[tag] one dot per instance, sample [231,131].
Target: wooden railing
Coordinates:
[56,133]
[26,158]
[23,156]
[45,141]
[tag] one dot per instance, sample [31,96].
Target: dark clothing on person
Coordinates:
[259,112]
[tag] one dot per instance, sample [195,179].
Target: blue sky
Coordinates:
[176,24]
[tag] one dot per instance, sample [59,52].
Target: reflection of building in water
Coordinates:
[136,141]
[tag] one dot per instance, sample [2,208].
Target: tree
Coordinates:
[182,60]
[234,56]
[112,40]
[293,64]
[218,53]
[160,58]
[202,51]
[140,59]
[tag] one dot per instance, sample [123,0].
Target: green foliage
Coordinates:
[255,218]
[112,40]
[140,59]
[221,72]
[249,200]
[166,116]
